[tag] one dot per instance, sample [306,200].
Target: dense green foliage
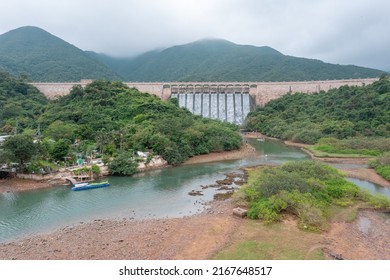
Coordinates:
[123,164]
[220,60]
[105,119]
[21,149]
[340,113]
[20,103]
[45,58]
[306,189]
[382,165]
[118,119]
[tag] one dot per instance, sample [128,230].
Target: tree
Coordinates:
[60,130]
[60,149]
[21,148]
[123,164]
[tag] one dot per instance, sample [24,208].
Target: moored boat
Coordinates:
[87,186]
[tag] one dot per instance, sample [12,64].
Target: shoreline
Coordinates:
[362,173]
[198,237]
[246,150]
[22,185]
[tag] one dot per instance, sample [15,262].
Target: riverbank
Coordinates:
[246,151]
[194,237]
[20,185]
[215,233]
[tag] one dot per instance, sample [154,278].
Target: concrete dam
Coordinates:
[226,101]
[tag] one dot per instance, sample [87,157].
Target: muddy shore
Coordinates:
[194,237]
[197,237]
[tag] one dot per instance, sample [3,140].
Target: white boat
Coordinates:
[80,185]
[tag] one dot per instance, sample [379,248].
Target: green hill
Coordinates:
[20,103]
[46,58]
[220,60]
[118,119]
[342,113]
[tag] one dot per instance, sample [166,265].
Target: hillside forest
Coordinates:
[111,121]
[43,57]
[351,121]
[106,120]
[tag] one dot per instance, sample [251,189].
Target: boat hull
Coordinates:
[90,186]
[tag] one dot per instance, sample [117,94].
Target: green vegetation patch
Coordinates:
[306,189]
[349,111]
[105,119]
[283,241]
[20,104]
[382,165]
[353,147]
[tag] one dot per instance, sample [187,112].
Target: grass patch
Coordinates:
[351,147]
[323,154]
[281,241]
[316,254]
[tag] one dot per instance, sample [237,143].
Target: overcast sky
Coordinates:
[336,31]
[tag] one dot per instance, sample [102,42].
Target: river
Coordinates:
[153,194]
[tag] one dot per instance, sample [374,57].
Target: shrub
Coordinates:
[305,189]
[379,201]
[340,188]
[264,209]
[384,171]
[307,136]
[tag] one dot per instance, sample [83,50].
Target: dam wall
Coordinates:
[226,101]
[262,92]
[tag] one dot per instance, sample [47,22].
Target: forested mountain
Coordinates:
[44,57]
[341,113]
[220,60]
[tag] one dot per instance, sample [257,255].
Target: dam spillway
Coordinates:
[228,107]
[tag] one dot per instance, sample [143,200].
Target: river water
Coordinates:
[153,194]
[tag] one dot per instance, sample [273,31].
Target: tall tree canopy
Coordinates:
[341,113]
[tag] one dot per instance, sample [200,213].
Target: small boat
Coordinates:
[261,139]
[87,186]
[80,184]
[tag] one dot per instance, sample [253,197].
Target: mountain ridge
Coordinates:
[44,57]
[221,60]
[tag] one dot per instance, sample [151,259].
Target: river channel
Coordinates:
[154,194]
